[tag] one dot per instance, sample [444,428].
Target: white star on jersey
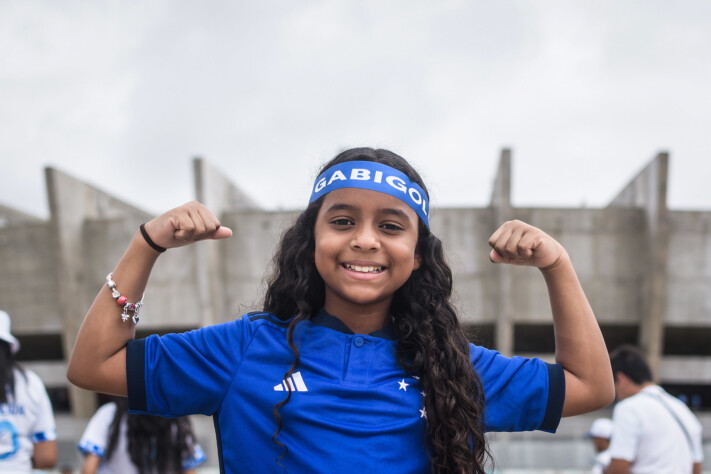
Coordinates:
[403,385]
[423,413]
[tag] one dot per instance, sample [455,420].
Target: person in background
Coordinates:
[653,432]
[27,429]
[115,442]
[600,434]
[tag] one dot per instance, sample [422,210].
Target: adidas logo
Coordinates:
[296,383]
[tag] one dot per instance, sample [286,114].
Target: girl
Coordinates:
[27,432]
[358,362]
[119,443]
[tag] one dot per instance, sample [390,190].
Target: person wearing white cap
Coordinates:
[600,433]
[27,429]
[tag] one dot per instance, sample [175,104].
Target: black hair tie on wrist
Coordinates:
[155,246]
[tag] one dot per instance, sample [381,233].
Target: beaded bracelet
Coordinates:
[123,301]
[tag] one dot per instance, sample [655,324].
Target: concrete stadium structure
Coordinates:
[646,270]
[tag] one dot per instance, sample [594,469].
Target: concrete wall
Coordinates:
[641,265]
[689,269]
[28,286]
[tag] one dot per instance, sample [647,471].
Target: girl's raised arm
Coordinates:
[579,345]
[98,360]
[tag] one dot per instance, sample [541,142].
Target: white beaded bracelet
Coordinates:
[123,301]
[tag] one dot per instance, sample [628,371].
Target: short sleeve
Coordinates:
[96,434]
[697,441]
[698,454]
[626,431]
[183,374]
[519,394]
[44,428]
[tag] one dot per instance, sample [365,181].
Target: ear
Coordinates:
[418,261]
[621,378]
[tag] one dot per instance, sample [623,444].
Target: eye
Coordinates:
[341,222]
[391,227]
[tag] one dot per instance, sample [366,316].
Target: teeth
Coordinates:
[357,268]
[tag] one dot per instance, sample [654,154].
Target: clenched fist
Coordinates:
[184,225]
[518,243]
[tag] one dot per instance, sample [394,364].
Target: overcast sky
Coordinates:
[122,94]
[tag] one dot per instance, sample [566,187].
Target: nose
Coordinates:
[365,237]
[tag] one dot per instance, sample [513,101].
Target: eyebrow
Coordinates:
[350,207]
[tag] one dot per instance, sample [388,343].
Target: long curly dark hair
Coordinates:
[155,444]
[7,373]
[431,343]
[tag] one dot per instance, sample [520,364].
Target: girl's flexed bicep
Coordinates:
[98,360]
[580,348]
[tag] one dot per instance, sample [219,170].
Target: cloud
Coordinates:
[124,94]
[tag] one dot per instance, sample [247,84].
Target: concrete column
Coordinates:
[501,211]
[648,190]
[219,195]
[71,203]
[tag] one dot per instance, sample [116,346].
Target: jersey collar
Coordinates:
[324,319]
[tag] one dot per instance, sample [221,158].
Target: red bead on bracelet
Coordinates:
[123,301]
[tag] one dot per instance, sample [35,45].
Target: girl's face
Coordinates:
[365,249]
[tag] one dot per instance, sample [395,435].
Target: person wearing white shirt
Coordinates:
[653,432]
[27,429]
[115,442]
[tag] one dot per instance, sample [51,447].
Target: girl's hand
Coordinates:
[518,243]
[184,225]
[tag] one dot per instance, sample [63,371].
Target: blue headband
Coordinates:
[375,177]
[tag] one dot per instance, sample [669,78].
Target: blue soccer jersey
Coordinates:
[352,408]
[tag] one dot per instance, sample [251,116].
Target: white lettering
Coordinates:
[320,185]
[360,174]
[412,192]
[335,176]
[396,183]
[424,206]
[378,177]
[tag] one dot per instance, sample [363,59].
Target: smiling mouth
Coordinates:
[356,268]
